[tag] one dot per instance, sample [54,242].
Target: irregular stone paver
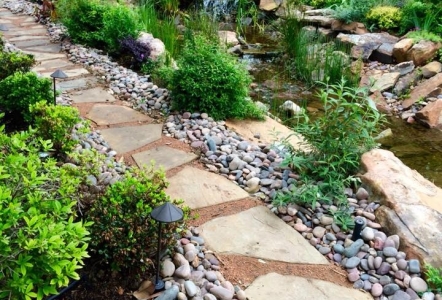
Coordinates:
[30,43]
[79,83]
[266,129]
[257,232]
[78,71]
[51,48]
[103,114]
[129,138]
[164,156]
[52,64]
[199,188]
[95,95]
[276,286]
[36,31]
[27,38]
[39,56]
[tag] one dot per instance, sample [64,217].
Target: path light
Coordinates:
[359,222]
[166,213]
[60,75]
[3,27]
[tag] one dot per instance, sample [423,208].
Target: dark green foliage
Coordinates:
[134,53]
[420,15]
[20,90]
[210,80]
[55,123]
[41,245]
[11,62]
[434,278]
[123,232]
[353,10]
[97,23]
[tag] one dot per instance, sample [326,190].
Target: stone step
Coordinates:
[103,114]
[257,232]
[276,286]
[40,40]
[73,72]
[47,65]
[94,95]
[18,31]
[129,138]
[50,48]
[39,56]
[164,156]
[80,83]
[199,188]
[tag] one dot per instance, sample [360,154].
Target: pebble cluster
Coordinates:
[193,273]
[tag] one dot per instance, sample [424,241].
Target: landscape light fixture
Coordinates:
[3,27]
[359,223]
[166,213]
[60,75]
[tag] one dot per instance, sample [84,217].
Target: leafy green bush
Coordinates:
[353,10]
[55,123]
[210,80]
[96,23]
[385,17]
[41,245]
[123,232]
[423,35]
[434,278]
[322,3]
[20,90]
[11,62]
[417,15]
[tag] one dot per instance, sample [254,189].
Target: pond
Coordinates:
[418,147]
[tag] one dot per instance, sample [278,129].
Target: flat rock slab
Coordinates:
[35,31]
[165,157]
[31,42]
[257,232]
[129,138]
[79,83]
[422,90]
[199,188]
[103,114]
[45,56]
[78,71]
[266,130]
[52,64]
[94,95]
[276,286]
[27,38]
[51,48]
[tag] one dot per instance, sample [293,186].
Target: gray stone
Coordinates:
[418,285]
[183,271]
[221,293]
[390,251]
[167,268]
[376,290]
[164,156]
[352,262]
[170,294]
[404,67]
[385,82]
[191,288]
[401,295]
[390,289]
[354,248]
[91,95]
[383,269]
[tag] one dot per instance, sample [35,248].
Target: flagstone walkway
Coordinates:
[255,233]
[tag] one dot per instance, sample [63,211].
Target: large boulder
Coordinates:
[385,82]
[431,115]
[431,69]
[157,47]
[228,38]
[422,52]
[364,45]
[411,205]
[401,48]
[353,27]
[269,5]
[423,90]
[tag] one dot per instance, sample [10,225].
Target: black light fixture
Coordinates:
[60,75]
[166,213]
[3,27]
[359,223]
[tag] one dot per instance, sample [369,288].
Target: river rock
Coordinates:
[221,293]
[410,206]
[376,290]
[418,285]
[170,294]
[353,249]
[183,271]
[401,295]
[167,268]
[191,289]
[390,289]
[319,231]
[367,234]
[352,262]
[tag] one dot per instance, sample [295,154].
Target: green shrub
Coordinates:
[11,62]
[385,17]
[55,123]
[123,232]
[20,90]
[422,35]
[322,3]
[96,23]
[210,80]
[434,278]
[353,10]
[417,15]
[41,245]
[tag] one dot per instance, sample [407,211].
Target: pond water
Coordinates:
[418,147]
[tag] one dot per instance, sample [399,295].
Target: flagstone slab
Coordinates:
[39,56]
[289,287]
[199,188]
[51,48]
[78,71]
[164,156]
[94,95]
[52,64]
[40,40]
[103,114]
[27,38]
[129,138]
[36,31]
[80,83]
[257,232]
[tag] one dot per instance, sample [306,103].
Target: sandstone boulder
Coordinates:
[404,67]
[423,90]
[324,21]
[353,27]
[385,82]
[365,44]
[411,205]
[405,82]
[401,48]
[228,37]
[431,115]
[381,103]
[422,52]
[431,69]
[269,5]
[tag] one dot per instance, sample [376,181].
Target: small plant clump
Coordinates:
[210,80]
[385,17]
[123,232]
[434,278]
[136,52]
[11,62]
